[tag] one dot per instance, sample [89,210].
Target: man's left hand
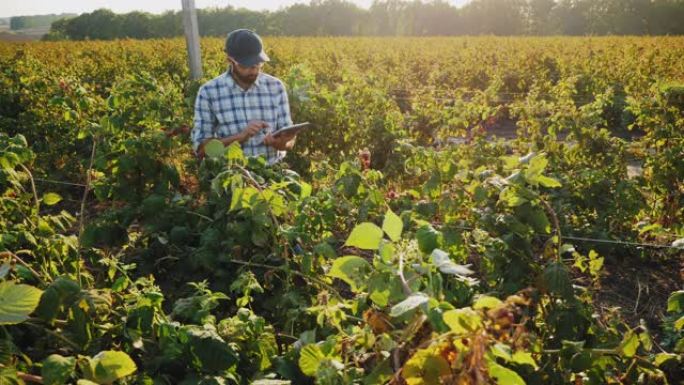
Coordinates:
[282,142]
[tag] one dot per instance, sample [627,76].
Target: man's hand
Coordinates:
[253,128]
[281,142]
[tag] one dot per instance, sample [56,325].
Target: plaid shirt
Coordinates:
[223,109]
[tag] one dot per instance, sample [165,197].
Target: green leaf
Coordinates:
[379,289]
[595,263]
[351,269]
[679,324]
[524,358]
[305,190]
[426,367]
[17,302]
[61,292]
[581,361]
[109,366]
[392,225]
[214,148]
[679,346]
[387,251]
[410,303]
[209,351]
[537,166]
[462,321]
[662,358]
[548,182]
[113,101]
[630,344]
[511,197]
[569,348]
[535,217]
[365,236]
[271,382]
[502,351]
[235,155]
[310,359]
[676,301]
[51,198]
[486,302]
[57,369]
[380,374]
[8,376]
[153,205]
[510,162]
[557,280]
[428,238]
[503,375]
[645,339]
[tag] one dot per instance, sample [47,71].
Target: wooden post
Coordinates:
[192,38]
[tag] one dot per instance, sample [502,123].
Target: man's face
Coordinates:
[246,75]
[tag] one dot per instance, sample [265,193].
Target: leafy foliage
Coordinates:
[408,245]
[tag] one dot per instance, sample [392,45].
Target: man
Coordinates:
[244,104]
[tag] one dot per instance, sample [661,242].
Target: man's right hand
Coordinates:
[253,128]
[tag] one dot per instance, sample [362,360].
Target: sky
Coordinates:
[10,8]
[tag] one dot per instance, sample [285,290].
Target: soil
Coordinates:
[639,288]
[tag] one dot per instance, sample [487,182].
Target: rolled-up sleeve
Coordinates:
[284,118]
[205,120]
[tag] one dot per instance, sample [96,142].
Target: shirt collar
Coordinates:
[233,83]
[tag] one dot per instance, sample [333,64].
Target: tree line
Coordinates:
[23,22]
[396,18]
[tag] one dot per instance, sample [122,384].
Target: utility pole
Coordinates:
[192,38]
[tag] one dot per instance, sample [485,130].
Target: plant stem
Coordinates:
[56,335]
[33,188]
[400,273]
[26,376]
[23,263]
[556,225]
[306,277]
[86,191]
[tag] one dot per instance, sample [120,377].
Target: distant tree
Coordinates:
[539,16]
[321,18]
[385,17]
[338,17]
[57,31]
[571,17]
[391,18]
[436,17]
[168,24]
[665,17]
[220,21]
[101,24]
[297,20]
[17,23]
[498,17]
[135,25]
[36,21]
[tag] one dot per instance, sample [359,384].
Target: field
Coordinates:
[28,34]
[464,211]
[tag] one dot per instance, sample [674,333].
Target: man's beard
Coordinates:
[248,79]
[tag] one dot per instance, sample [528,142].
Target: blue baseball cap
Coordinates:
[245,47]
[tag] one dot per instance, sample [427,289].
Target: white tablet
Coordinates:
[295,128]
